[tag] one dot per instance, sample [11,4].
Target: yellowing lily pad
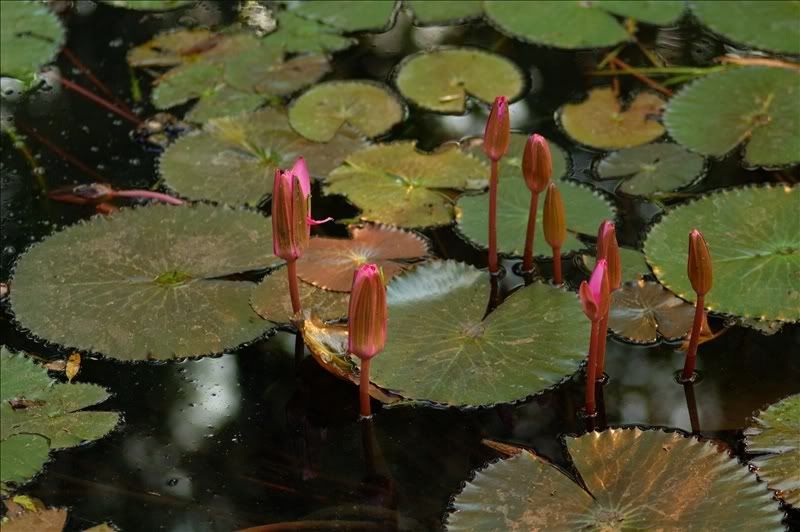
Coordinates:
[172,48]
[628,479]
[757,106]
[368,107]
[30,36]
[156,286]
[232,159]
[299,35]
[271,300]
[441,12]
[399,185]
[349,15]
[772,25]
[754,240]
[440,80]
[643,311]
[602,122]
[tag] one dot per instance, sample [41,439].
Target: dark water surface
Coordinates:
[248,438]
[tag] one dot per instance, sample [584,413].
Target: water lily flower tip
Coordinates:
[290,229]
[555,228]
[699,264]
[608,249]
[367,313]
[498,130]
[537,163]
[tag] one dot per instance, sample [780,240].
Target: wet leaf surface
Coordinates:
[30,36]
[768,25]
[634,479]
[634,265]
[643,311]
[349,15]
[271,300]
[299,35]
[754,240]
[440,12]
[172,48]
[49,520]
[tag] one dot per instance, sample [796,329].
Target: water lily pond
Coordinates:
[157,372]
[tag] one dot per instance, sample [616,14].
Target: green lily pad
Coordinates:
[754,240]
[224,100]
[271,300]
[30,36]
[441,12]
[660,12]
[298,35]
[185,83]
[766,24]
[756,105]
[775,432]
[233,158]
[604,123]
[634,265]
[173,47]
[371,108]
[155,287]
[642,312]
[397,184]
[633,480]
[148,5]
[349,15]
[39,414]
[652,168]
[440,80]
[247,72]
[511,164]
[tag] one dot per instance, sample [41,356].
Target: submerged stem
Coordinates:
[694,340]
[493,263]
[527,259]
[294,289]
[363,389]
[100,101]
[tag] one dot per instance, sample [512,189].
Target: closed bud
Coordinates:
[555,227]
[290,232]
[498,130]
[537,163]
[699,264]
[608,249]
[595,295]
[367,313]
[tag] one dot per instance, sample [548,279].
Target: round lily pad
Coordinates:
[652,168]
[371,108]
[30,36]
[754,240]
[349,15]
[755,105]
[602,122]
[21,457]
[633,479]
[149,5]
[156,286]
[511,163]
[441,12]
[643,311]
[173,47]
[775,436]
[634,265]
[271,299]
[233,158]
[223,100]
[440,80]
[399,185]
[300,35]
[766,24]
[330,263]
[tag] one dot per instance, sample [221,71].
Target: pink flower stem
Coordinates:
[363,389]
[601,348]
[557,265]
[100,101]
[148,194]
[694,340]
[527,258]
[96,82]
[294,289]
[591,370]
[493,263]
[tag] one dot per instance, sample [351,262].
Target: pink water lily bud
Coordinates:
[537,163]
[367,313]
[290,229]
[608,249]
[699,265]
[301,171]
[498,130]
[595,295]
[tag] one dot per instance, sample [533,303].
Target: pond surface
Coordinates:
[250,438]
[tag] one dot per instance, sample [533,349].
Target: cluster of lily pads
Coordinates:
[199,277]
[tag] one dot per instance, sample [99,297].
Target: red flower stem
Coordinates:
[91,77]
[601,347]
[557,265]
[294,289]
[100,101]
[694,340]
[493,263]
[60,152]
[149,194]
[527,259]
[591,370]
[363,389]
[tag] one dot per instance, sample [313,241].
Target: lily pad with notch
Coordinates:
[370,108]
[349,15]
[754,240]
[602,122]
[774,435]
[440,80]
[396,184]
[634,265]
[300,35]
[627,479]
[444,12]
[160,285]
[233,158]
[757,106]
[30,37]
[643,312]
[270,299]
[652,168]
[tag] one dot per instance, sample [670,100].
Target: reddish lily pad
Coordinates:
[644,311]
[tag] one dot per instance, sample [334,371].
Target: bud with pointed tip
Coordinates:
[367,313]
[537,163]
[699,264]
[608,249]
[498,130]
[555,228]
[300,170]
[594,295]
[290,231]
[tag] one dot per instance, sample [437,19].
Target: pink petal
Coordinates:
[596,280]
[301,171]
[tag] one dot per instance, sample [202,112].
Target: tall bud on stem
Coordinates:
[367,317]
[537,168]
[555,227]
[495,144]
[700,275]
[608,249]
[595,300]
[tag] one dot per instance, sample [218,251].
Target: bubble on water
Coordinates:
[172,482]
[116,43]
[84,8]
[11,89]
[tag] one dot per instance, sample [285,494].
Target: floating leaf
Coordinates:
[331,262]
[299,35]
[185,83]
[224,100]
[349,15]
[652,168]
[369,107]
[643,311]
[73,366]
[279,78]
[155,286]
[396,184]
[440,80]
[775,432]
[511,163]
[233,158]
[30,36]
[604,123]
[271,300]
[634,265]
[766,24]
[754,240]
[756,105]
[148,5]
[21,457]
[440,12]
[633,479]
[659,12]
[173,47]
[49,520]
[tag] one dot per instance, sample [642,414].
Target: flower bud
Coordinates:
[537,163]
[699,264]
[595,295]
[608,249]
[367,313]
[301,171]
[555,228]
[290,231]
[498,130]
